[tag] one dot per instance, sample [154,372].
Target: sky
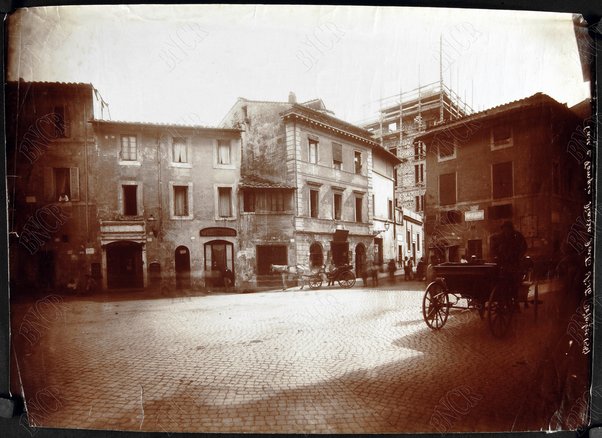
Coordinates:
[188,64]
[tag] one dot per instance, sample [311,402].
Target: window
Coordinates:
[408,237]
[390,211]
[501,137]
[446,150]
[394,177]
[313,203]
[503,211]
[419,173]
[130,200]
[313,151]
[224,201]
[60,125]
[447,188]
[502,180]
[275,200]
[392,126]
[357,162]
[417,202]
[359,200]
[418,241]
[224,152]
[419,150]
[373,206]
[128,148]
[180,196]
[337,205]
[180,150]
[62,183]
[248,201]
[337,156]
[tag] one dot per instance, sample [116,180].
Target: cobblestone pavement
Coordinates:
[339,361]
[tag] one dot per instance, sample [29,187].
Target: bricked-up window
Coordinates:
[180,196]
[180,150]
[128,148]
[502,180]
[224,155]
[314,203]
[447,188]
[451,217]
[130,200]
[337,205]
[313,151]
[359,201]
[501,136]
[248,203]
[224,201]
[556,178]
[503,211]
[337,156]
[357,162]
[61,122]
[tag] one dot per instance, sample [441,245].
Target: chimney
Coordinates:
[292,98]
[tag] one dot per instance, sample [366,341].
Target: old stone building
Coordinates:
[51,215]
[167,203]
[507,163]
[320,169]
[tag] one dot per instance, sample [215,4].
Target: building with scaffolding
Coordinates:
[402,118]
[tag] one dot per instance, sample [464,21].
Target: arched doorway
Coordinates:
[360,259]
[219,256]
[182,262]
[316,255]
[124,265]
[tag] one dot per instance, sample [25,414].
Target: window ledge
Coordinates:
[181,218]
[180,165]
[129,163]
[224,166]
[229,218]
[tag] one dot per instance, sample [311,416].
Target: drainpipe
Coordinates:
[86,172]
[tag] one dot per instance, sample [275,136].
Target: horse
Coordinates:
[287,270]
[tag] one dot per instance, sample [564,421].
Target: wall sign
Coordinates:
[218,231]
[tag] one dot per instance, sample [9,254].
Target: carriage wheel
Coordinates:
[435,306]
[499,312]
[347,280]
[315,281]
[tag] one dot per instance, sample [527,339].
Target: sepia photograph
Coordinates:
[300,219]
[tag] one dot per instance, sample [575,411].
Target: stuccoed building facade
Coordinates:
[51,214]
[322,169]
[506,163]
[167,203]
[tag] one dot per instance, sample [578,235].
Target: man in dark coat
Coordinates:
[508,249]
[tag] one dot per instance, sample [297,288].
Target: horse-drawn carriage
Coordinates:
[343,275]
[480,286]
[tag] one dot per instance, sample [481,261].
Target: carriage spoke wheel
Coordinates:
[435,306]
[347,280]
[315,281]
[499,313]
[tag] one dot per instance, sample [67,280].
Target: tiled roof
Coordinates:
[161,125]
[257,182]
[536,99]
[46,83]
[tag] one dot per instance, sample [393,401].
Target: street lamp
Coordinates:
[387,226]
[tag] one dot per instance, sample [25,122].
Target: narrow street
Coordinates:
[331,360]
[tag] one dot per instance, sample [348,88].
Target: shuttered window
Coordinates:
[61,184]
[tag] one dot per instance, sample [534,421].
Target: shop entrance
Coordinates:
[124,265]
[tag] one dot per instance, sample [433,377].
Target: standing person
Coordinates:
[420,269]
[411,268]
[406,269]
[508,248]
[374,273]
[392,267]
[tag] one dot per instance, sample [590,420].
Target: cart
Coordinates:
[483,288]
